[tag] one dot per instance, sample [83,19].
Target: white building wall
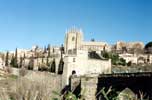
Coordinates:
[150,59]
[82,65]
[129,57]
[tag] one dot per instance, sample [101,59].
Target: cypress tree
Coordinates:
[61,65]
[53,66]
[47,62]
[6,59]
[24,56]
[16,61]
[31,63]
[12,63]
[21,62]
[48,48]
[53,50]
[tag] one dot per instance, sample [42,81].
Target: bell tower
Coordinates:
[73,40]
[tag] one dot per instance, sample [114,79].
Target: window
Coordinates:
[73,59]
[73,72]
[73,38]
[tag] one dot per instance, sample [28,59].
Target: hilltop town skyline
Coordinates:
[75,49]
[60,43]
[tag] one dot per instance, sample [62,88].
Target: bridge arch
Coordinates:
[136,82]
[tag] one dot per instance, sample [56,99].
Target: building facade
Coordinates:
[74,41]
[81,64]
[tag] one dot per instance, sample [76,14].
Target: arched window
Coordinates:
[73,72]
[73,38]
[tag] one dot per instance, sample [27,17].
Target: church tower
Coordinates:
[73,40]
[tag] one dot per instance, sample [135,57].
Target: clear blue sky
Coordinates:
[24,23]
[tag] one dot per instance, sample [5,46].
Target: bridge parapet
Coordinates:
[141,74]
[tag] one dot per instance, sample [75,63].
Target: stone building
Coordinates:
[137,59]
[74,41]
[77,60]
[81,64]
[129,58]
[130,47]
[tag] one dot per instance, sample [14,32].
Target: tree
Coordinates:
[148,47]
[92,40]
[114,58]
[53,50]
[24,56]
[62,49]
[21,62]
[108,94]
[106,55]
[122,62]
[31,63]
[61,65]
[45,50]
[14,61]
[48,48]
[53,66]
[149,44]
[6,59]
[129,63]
[47,61]
[36,54]
[16,53]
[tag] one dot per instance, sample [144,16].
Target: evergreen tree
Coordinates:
[62,49]
[148,47]
[45,50]
[6,59]
[16,61]
[13,62]
[21,62]
[53,50]
[47,62]
[106,55]
[31,63]
[53,66]
[16,53]
[122,62]
[24,56]
[92,40]
[49,49]
[36,54]
[61,65]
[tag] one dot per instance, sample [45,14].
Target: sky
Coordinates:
[24,23]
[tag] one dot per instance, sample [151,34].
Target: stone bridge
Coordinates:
[91,85]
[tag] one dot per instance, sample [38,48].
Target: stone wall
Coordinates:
[74,82]
[88,86]
[83,65]
[52,80]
